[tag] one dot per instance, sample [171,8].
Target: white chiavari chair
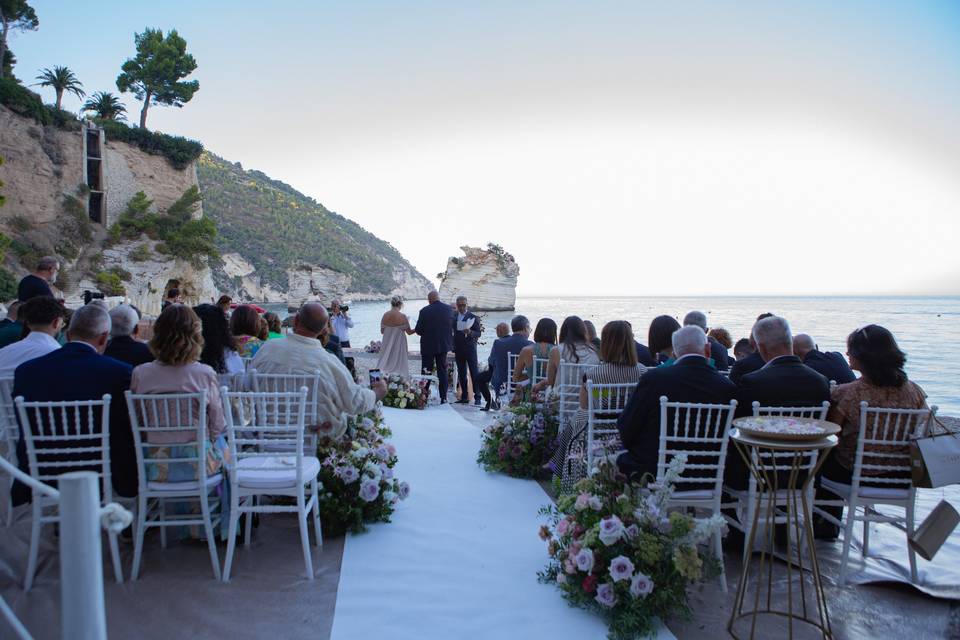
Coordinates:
[569,379]
[701,432]
[259,467]
[171,428]
[292,383]
[60,437]
[604,404]
[881,476]
[9,435]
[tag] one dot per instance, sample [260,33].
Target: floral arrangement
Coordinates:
[615,550]
[356,470]
[373,347]
[404,394]
[520,441]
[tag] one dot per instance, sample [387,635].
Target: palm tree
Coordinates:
[106,105]
[61,79]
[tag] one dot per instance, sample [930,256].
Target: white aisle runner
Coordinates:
[459,561]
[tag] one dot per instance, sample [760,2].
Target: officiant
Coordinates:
[466,332]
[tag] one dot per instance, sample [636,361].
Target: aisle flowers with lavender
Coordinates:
[521,440]
[406,394]
[615,550]
[356,470]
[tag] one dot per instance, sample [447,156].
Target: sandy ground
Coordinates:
[269,594]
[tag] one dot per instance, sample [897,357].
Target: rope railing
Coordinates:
[81,566]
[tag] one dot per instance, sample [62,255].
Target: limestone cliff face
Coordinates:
[487,277]
[44,168]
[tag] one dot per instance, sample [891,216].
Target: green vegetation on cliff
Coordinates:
[275,227]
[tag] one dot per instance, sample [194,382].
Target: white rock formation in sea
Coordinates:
[487,277]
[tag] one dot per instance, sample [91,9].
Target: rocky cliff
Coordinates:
[279,245]
[46,212]
[487,277]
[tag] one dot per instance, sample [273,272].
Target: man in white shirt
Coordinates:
[341,323]
[43,315]
[339,397]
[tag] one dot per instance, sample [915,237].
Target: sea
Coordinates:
[927,328]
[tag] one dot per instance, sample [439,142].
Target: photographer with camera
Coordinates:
[341,322]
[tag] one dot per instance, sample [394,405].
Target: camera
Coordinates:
[344,308]
[91,295]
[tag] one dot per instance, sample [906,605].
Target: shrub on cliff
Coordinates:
[179,234]
[178,150]
[8,285]
[25,102]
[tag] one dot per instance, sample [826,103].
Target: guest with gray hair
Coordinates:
[124,346]
[78,371]
[831,364]
[690,379]
[718,352]
[38,283]
[466,332]
[783,381]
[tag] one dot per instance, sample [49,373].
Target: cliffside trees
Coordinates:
[106,106]
[154,75]
[15,15]
[61,79]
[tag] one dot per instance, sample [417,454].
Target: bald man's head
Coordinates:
[802,345]
[310,320]
[433,296]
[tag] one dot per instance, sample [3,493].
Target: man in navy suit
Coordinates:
[752,362]
[78,371]
[496,373]
[690,379]
[124,346]
[433,327]
[831,364]
[466,331]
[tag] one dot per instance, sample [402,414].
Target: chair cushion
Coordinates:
[250,472]
[212,481]
[870,493]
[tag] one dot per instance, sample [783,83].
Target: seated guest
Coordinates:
[123,346]
[660,336]
[177,342]
[38,282]
[302,353]
[592,334]
[718,352]
[783,381]
[723,336]
[224,303]
[883,383]
[11,332]
[574,347]
[173,297]
[503,330]
[742,349]
[750,363]
[263,332]
[496,373]
[618,365]
[245,327]
[274,330]
[544,342]
[690,379]
[43,316]
[78,371]
[219,352]
[830,363]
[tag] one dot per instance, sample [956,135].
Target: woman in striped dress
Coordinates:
[618,365]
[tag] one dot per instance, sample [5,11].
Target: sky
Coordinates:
[614,148]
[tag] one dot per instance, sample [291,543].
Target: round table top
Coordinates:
[784,445]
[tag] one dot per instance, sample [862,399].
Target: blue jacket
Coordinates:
[77,372]
[433,327]
[511,344]
[460,341]
[830,364]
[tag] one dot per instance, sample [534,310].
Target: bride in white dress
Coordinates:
[395,327]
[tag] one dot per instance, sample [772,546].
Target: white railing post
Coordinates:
[81,569]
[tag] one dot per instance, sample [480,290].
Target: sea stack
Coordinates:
[487,277]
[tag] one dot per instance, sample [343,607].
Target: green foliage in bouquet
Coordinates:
[521,440]
[406,394]
[615,549]
[356,470]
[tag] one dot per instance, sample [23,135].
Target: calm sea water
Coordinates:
[927,328]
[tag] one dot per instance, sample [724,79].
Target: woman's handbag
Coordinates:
[935,457]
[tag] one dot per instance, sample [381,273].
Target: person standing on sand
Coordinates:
[466,331]
[38,282]
[436,339]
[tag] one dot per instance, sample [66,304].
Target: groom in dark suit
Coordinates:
[433,327]
[466,332]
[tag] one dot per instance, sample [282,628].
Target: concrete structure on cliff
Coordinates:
[487,277]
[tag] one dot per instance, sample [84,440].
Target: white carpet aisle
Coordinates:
[460,558]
